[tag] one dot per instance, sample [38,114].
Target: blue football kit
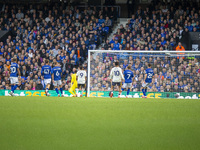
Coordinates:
[46,71]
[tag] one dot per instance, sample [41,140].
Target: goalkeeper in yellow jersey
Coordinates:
[73,84]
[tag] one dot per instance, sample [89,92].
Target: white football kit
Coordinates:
[81,74]
[116,74]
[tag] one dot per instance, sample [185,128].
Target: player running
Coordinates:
[81,76]
[128,75]
[147,80]
[46,72]
[116,77]
[14,75]
[73,87]
[56,78]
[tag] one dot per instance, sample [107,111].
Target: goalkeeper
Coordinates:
[73,87]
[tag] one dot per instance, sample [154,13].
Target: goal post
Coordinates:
[176,73]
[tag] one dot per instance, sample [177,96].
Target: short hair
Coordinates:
[14,59]
[75,71]
[149,65]
[46,61]
[81,67]
[116,63]
[129,67]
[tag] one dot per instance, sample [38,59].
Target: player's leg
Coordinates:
[14,85]
[119,88]
[47,89]
[129,86]
[71,90]
[60,87]
[12,91]
[144,88]
[111,89]
[128,91]
[55,83]
[61,91]
[74,90]
[56,89]
[47,83]
[83,89]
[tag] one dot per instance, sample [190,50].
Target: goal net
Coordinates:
[176,75]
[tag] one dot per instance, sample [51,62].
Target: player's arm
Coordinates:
[145,76]
[122,76]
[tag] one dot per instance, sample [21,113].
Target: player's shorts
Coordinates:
[127,85]
[47,81]
[14,80]
[57,83]
[145,84]
[116,83]
[81,85]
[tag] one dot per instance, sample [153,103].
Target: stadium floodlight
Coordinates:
[175,71]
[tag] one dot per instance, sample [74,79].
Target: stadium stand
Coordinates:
[65,36]
[160,26]
[55,33]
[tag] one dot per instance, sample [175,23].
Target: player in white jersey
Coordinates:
[116,77]
[81,79]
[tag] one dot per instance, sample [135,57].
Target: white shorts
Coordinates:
[145,84]
[47,81]
[14,80]
[127,85]
[57,83]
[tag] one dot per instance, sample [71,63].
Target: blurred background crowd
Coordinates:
[64,34]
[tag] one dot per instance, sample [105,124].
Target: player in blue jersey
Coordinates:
[128,75]
[46,72]
[14,74]
[147,80]
[56,78]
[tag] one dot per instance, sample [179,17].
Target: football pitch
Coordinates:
[51,123]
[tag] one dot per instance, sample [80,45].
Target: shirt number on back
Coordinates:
[81,74]
[57,73]
[128,76]
[149,75]
[46,71]
[116,73]
[13,70]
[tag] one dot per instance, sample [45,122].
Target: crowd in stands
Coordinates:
[171,74]
[57,33]
[157,27]
[64,34]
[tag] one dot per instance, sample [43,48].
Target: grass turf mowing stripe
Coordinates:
[98,123]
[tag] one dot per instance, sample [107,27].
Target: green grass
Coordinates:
[49,123]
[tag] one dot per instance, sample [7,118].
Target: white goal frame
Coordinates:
[129,51]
